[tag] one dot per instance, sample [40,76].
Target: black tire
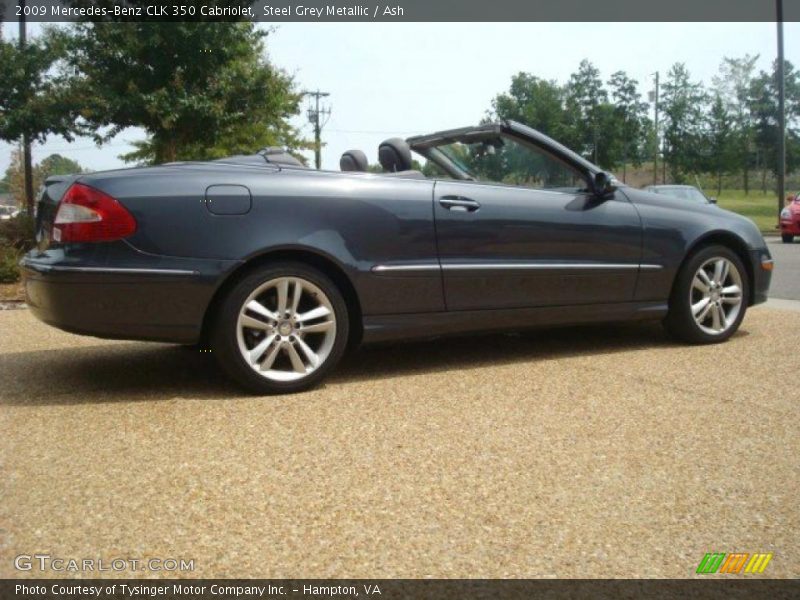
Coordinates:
[787,238]
[680,321]
[225,335]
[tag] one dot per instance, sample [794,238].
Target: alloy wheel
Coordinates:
[715,296]
[286,329]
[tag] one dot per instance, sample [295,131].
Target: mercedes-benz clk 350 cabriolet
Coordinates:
[278,268]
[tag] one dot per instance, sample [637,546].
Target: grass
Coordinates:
[760,208]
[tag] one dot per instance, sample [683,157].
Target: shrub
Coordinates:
[16,237]
[9,267]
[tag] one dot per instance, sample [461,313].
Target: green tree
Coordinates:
[55,164]
[684,114]
[630,114]
[200,90]
[721,147]
[585,101]
[733,85]
[535,102]
[764,110]
[33,99]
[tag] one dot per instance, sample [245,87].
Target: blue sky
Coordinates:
[388,79]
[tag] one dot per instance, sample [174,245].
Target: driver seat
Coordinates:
[395,157]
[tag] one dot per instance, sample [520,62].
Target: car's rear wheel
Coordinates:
[787,238]
[709,298]
[281,329]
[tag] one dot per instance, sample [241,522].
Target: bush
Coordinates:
[9,265]
[16,237]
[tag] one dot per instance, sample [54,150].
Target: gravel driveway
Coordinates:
[592,452]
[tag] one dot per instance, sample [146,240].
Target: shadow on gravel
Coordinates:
[110,373]
[468,352]
[155,372]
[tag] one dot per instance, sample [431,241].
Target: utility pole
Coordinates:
[655,128]
[314,115]
[781,114]
[26,142]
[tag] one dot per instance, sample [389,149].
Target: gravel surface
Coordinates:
[592,452]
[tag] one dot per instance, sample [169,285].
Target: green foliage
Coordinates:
[55,164]
[586,102]
[764,109]
[34,100]
[200,90]
[9,265]
[683,104]
[16,237]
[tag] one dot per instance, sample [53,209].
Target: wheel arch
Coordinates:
[311,257]
[731,241]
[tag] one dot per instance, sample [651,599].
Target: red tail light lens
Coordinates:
[89,215]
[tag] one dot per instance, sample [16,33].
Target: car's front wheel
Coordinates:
[787,238]
[281,328]
[709,298]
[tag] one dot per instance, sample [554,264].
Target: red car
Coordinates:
[790,221]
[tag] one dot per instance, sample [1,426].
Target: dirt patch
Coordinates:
[12,292]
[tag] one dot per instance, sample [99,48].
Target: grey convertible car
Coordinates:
[279,268]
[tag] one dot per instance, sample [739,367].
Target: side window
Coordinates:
[506,161]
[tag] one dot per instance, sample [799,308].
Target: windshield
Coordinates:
[501,159]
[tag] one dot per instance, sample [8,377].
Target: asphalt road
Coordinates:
[592,452]
[786,277]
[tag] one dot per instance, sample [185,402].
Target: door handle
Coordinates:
[459,203]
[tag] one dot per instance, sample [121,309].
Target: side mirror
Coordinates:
[603,184]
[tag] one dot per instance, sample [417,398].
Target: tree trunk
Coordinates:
[719,183]
[746,175]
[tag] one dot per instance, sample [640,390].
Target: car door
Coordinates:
[504,246]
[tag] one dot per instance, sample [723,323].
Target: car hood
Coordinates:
[713,217]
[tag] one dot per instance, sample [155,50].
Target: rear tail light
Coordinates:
[89,215]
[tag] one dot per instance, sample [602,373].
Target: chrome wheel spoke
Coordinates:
[248,321]
[316,313]
[703,276]
[298,293]
[311,356]
[700,307]
[318,327]
[699,285]
[297,362]
[715,320]
[719,268]
[269,359]
[258,351]
[260,309]
[283,296]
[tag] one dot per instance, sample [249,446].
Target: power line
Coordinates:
[314,115]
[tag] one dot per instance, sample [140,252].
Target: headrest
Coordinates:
[394,155]
[353,160]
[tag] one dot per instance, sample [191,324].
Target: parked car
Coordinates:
[790,220]
[8,212]
[280,268]
[686,192]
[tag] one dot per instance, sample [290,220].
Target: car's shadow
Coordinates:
[150,372]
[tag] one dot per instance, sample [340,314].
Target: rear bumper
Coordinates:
[761,262]
[156,299]
[790,227]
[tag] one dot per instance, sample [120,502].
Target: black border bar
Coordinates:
[396,589]
[277,11]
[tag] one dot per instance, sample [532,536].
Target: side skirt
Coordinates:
[382,328]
